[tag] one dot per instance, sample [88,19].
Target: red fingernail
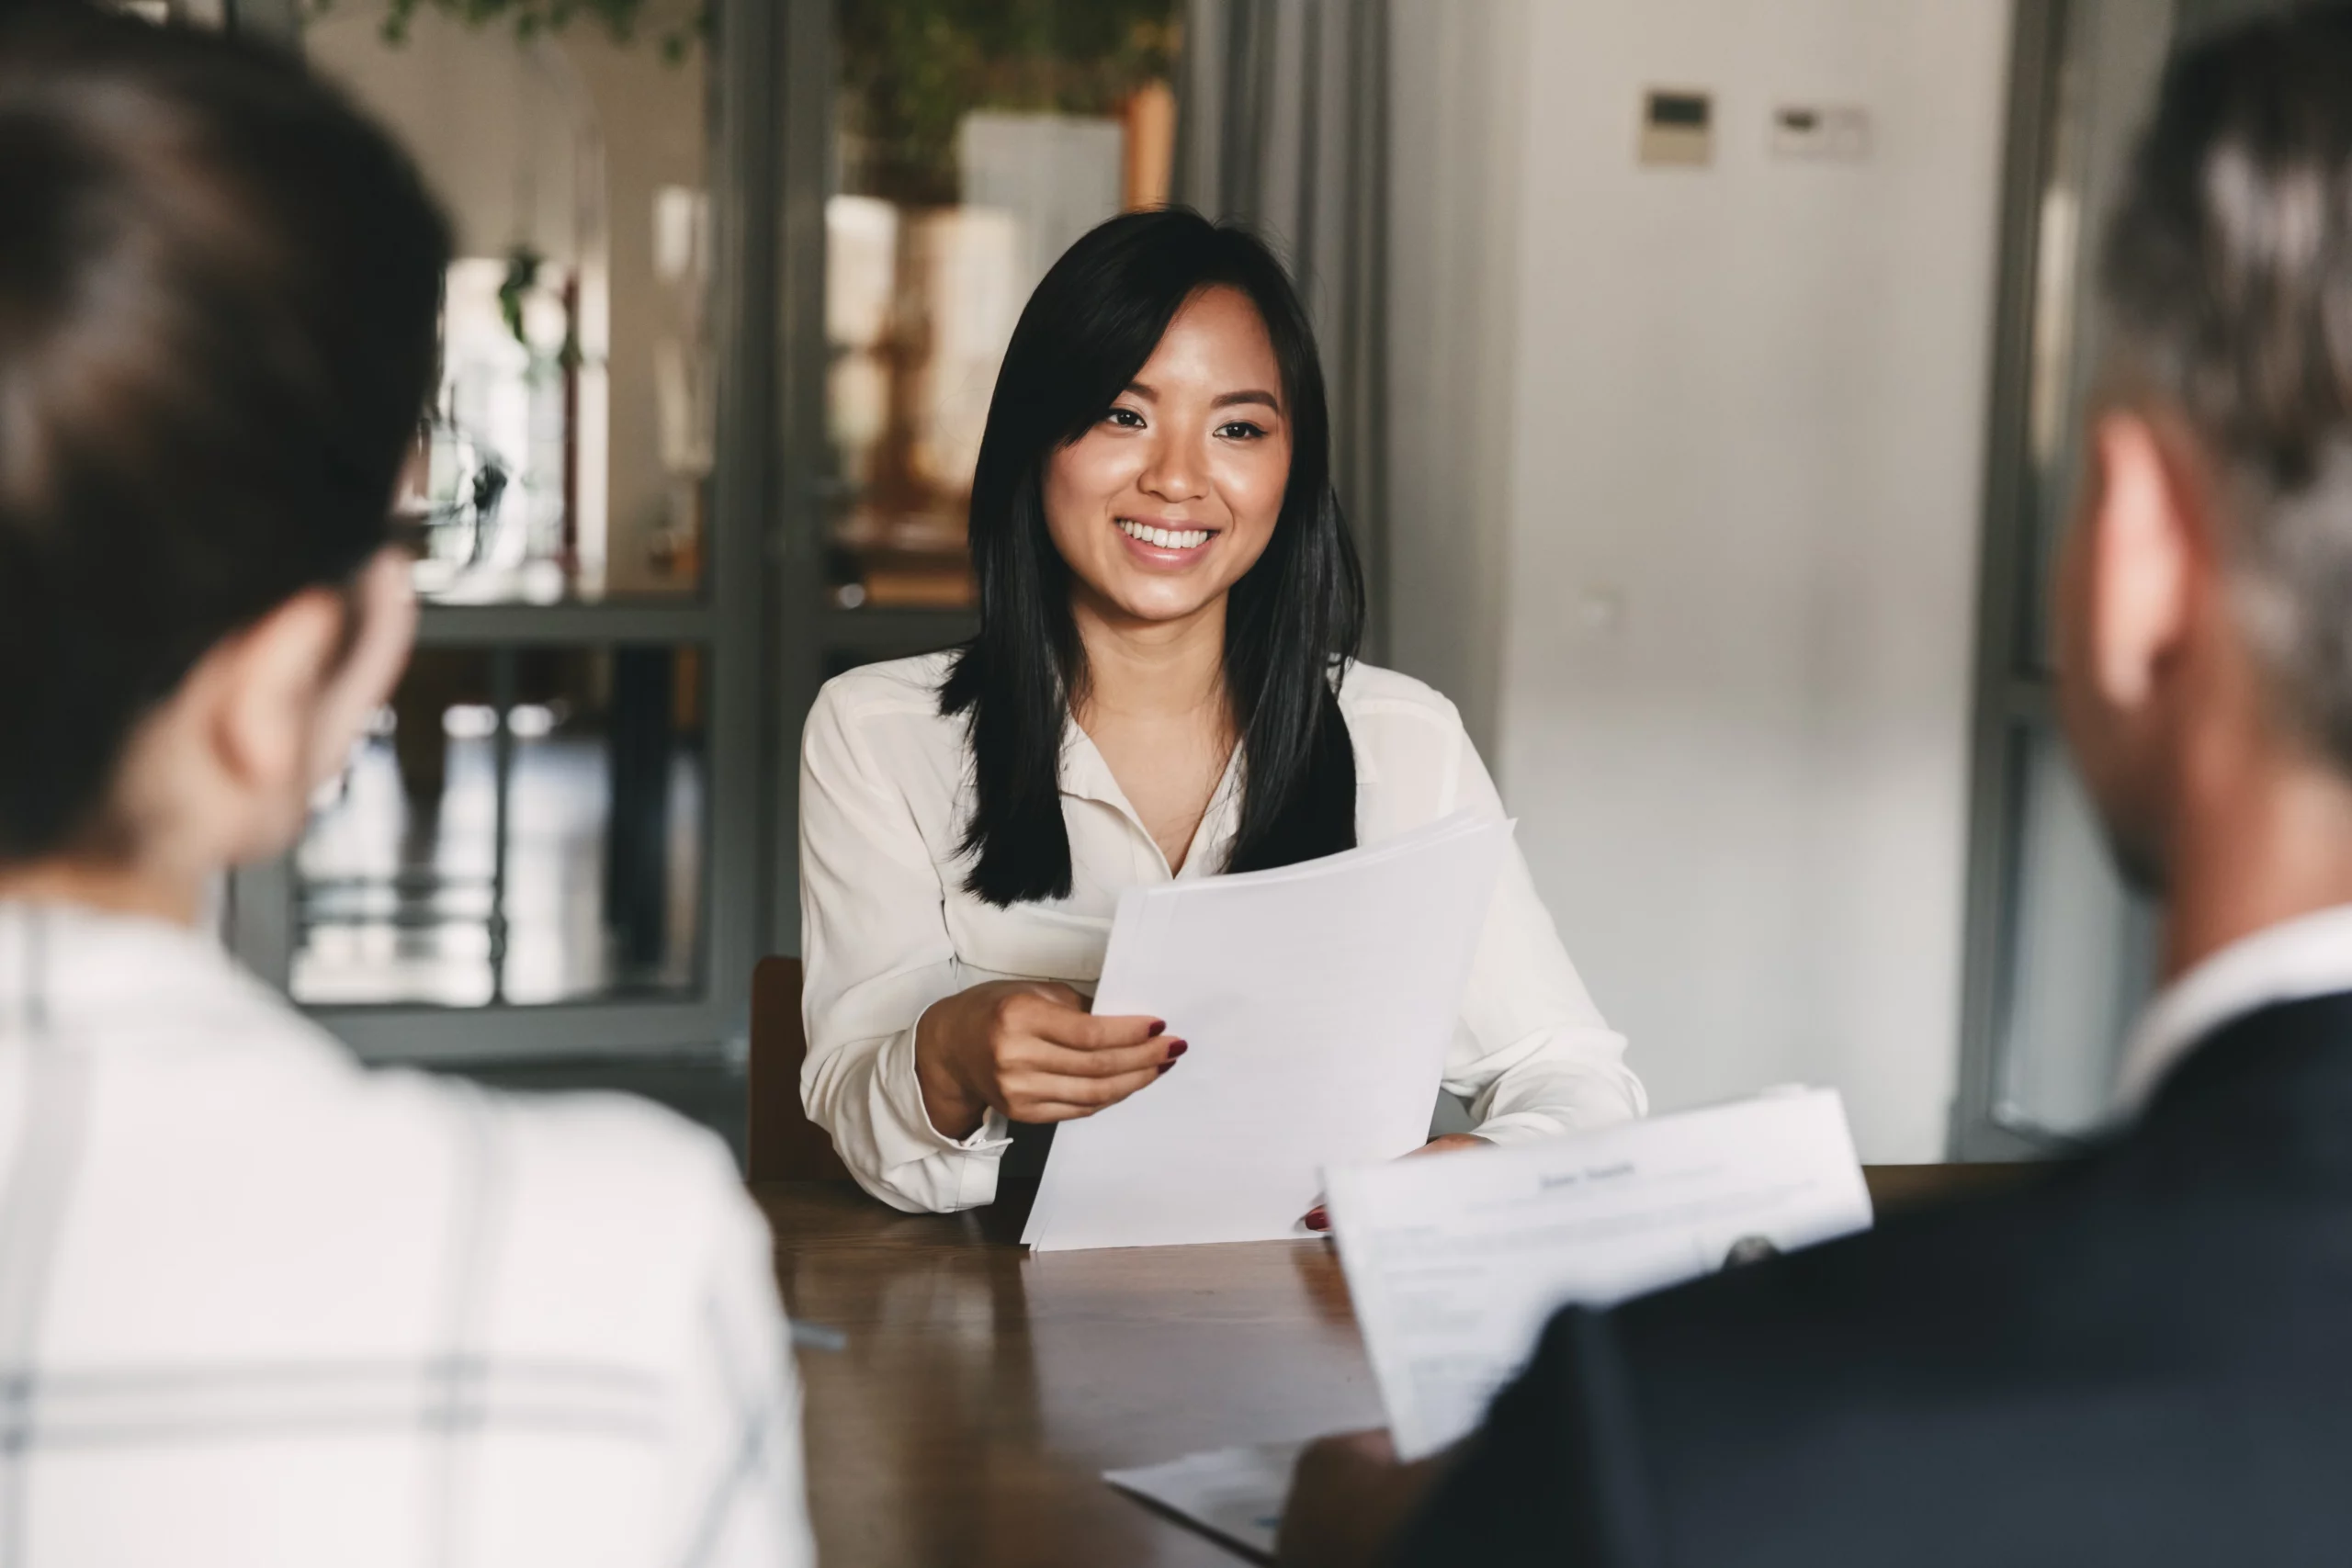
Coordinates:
[1316,1220]
[1176,1048]
[1158,1028]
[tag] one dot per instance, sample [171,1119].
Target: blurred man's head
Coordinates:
[218,298]
[2205,597]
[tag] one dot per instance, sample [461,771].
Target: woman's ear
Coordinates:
[266,684]
[283,700]
[384,607]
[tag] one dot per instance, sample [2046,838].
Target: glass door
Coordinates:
[553,841]
[939,156]
[2061,955]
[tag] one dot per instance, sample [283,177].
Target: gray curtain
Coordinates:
[1283,124]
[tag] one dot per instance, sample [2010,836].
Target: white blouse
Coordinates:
[887,927]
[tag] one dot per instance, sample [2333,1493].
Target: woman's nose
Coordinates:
[1177,471]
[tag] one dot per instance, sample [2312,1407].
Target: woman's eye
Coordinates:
[1240,430]
[1125,419]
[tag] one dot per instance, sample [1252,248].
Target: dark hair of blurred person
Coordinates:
[218,292]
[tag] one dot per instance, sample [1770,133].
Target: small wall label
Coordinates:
[1825,133]
[1678,127]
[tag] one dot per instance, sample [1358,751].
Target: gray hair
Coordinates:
[2228,280]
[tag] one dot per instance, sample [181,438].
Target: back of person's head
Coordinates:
[2228,278]
[219,288]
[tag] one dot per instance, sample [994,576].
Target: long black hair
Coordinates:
[1293,623]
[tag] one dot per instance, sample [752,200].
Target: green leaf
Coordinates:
[527,19]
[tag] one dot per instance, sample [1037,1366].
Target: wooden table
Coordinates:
[983,1390]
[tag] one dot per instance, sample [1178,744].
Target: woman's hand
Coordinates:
[1030,1049]
[1318,1218]
[1449,1141]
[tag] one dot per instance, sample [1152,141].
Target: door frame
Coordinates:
[2012,700]
[729,622]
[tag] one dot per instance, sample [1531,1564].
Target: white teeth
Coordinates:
[1165,539]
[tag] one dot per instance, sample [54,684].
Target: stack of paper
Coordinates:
[1455,1261]
[1236,1494]
[1318,1000]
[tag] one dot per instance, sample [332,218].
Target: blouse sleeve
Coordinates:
[875,953]
[1534,1057]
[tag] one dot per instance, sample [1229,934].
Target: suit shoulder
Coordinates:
[2033,1342]
[1988,1289]
[1908,1272]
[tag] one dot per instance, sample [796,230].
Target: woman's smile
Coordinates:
[1162,542]
[1169,498]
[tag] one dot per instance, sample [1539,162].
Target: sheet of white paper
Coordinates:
[1236,1494]
[1317,1001]
[1454,1263]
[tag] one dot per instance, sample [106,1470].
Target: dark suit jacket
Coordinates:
[2142,1358]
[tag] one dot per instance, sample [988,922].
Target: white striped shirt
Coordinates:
[259,1306]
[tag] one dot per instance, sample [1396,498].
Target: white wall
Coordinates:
[1741,417]
[1454,134]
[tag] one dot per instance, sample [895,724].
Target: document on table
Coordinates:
[1236,1494]
[1456,1262]
[1318,1000]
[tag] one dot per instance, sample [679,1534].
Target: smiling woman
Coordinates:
[1183,489]
[1164,685]
[1159,509]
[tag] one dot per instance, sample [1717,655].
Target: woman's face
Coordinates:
[1171,496]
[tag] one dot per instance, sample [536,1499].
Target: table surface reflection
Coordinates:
[983,1390]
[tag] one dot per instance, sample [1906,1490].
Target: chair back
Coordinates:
[781,1144]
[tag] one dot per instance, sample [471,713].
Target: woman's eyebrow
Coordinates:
[1150,394]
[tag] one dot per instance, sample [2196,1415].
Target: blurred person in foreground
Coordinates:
[258,1307]
[2142,1356]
